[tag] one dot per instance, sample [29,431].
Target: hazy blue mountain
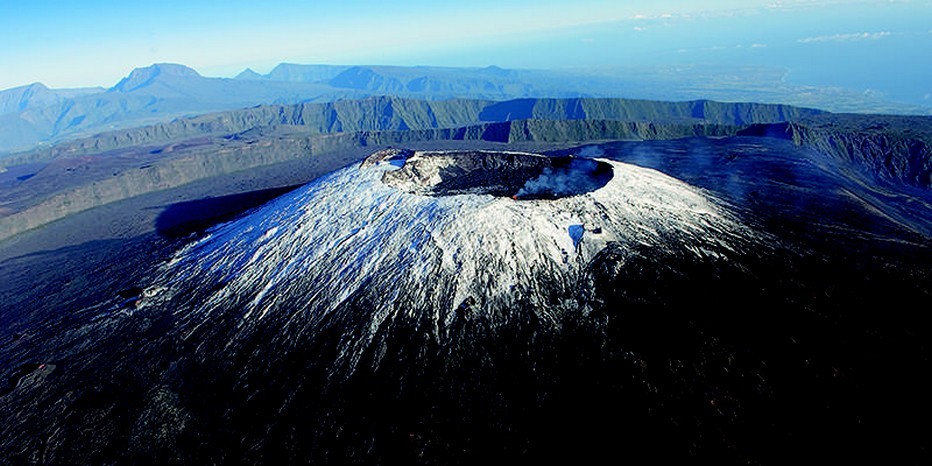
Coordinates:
[293,72]
[156,93]
[20,98]
[249,75]
[430,82]
[37,95]
[363,78]
[304,73]
[155,75]
[439,82]
[167,82]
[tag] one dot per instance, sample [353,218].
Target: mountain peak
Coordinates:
[37,86]
[365,78]
[20,98]
[497,70]
[249,75]
[34,87]
[140,77]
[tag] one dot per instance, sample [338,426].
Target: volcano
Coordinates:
[447,238]
[464,307]
[440,275]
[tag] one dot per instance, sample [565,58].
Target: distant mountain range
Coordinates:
[34,115]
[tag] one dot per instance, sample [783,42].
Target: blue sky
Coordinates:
[96,42]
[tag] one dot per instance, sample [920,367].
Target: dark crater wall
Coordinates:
[503,174]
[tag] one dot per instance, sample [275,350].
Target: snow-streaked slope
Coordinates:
[350,249]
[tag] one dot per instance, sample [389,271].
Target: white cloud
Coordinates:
[846,37]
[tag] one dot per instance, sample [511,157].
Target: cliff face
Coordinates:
[897,151]
[704,111]
[390,113]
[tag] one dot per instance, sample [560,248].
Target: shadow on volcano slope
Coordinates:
[184,218]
